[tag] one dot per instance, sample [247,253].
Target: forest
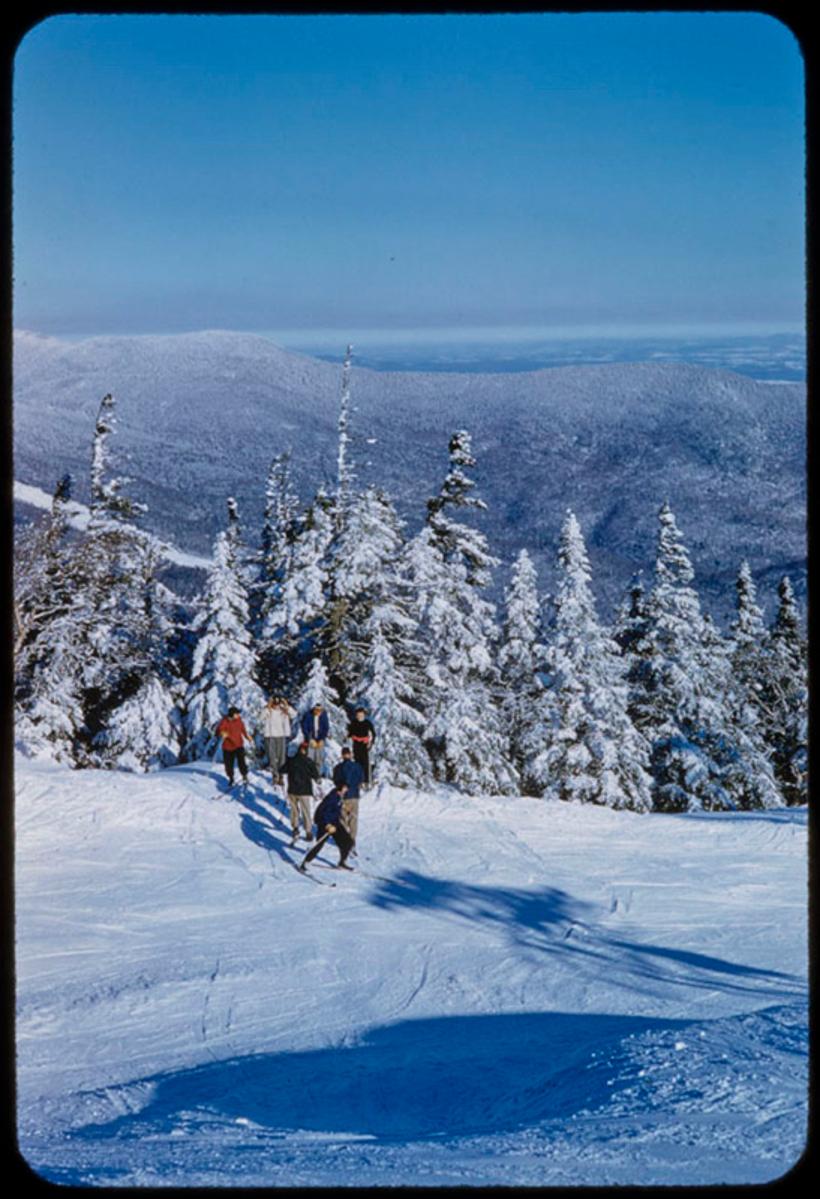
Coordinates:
[332,602]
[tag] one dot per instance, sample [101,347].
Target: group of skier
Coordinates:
[337,815]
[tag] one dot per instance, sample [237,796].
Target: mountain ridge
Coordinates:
[613,441]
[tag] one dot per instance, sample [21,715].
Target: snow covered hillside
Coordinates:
[201,415]
[506,992]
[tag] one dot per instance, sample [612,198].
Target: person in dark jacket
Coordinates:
[302,774]
[362,734]
[350,774]
[330,823]
[315,730]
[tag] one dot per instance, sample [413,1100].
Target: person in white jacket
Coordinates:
[274,720]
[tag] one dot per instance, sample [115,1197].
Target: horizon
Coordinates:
[458,335]
[773,356]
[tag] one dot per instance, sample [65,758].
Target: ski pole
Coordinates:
[314,849]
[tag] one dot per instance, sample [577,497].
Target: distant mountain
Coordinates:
[201,415]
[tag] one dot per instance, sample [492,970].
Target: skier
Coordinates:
[275,722]
[329,820]
[315,727]
[302,774]
[362,734]
[349,774]
[231,729]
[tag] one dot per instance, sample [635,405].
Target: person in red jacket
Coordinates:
[231,729]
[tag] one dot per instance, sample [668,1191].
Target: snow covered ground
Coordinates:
[507,992]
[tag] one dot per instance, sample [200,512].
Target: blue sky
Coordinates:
[408,173]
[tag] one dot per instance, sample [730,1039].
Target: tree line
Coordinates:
[336,604]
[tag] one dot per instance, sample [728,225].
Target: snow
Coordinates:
[508,991]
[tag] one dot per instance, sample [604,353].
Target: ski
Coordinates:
[322,882]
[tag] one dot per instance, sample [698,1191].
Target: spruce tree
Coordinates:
[392,699]
[701,757]
[362,564]
[784,697]
[295,628]
[465,735]
[145,730]
[97,648]
[457,541]
[592,753]
[453,568]
[520,657]
[747,653]
[278,529]
[48,658]
[345,473]
[223,672]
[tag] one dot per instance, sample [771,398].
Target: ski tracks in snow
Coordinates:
[172,948]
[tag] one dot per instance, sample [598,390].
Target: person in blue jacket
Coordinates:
[329,820]
[315,729]
[350,774]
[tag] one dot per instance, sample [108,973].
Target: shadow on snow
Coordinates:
[446,1076]
[441,1077]
[552,922]
[545,920]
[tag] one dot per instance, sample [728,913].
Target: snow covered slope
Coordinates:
[201,415]
[507,991]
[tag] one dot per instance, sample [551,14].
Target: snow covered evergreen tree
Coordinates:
[450,566]
[117,564]
[278,530]
[632,618]
[48,657]
[701,755]
[345,473]
[592,751]
[295,628]
[520,657]
[362,561]
[146,731]
[99,645]
[747,652]
[387,680]
[784,697]
[108,501]
[465,735]
[224,665]
[40,556]
[456,540]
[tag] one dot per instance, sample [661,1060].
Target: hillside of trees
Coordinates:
[330,601]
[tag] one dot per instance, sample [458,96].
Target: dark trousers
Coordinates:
[361,754]
[342,838]
[229,756]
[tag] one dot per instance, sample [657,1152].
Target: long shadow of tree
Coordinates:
[546,920]
[551,921]
[439,1077]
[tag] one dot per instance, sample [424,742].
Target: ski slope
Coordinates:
[506,992]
